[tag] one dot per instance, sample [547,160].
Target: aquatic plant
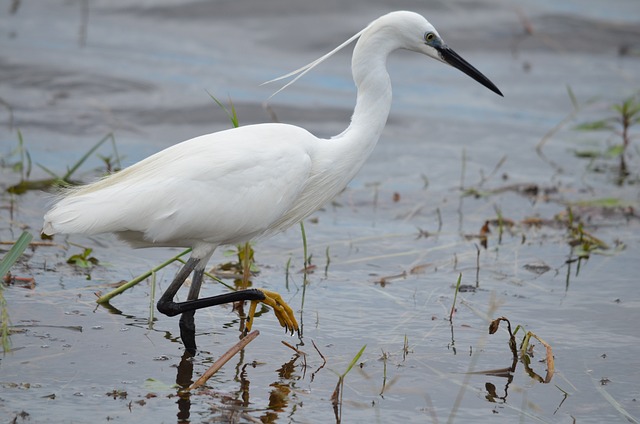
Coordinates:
[524,353]
[83,259]
[619,125]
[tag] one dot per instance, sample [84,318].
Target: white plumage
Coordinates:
[213,189]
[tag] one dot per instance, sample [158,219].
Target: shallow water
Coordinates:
[143,73]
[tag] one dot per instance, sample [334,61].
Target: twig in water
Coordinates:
[493,327]
[299,354]
[477,265]
[324,361]
[326,267]
[385,356]
[224,359]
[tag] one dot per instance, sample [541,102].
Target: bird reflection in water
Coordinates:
[236,405]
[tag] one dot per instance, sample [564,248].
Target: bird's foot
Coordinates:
[282,311]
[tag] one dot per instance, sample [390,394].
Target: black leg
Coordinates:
[171,308]
[187,322]
[167,306]
[165,302]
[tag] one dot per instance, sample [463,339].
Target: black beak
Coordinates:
[453,59]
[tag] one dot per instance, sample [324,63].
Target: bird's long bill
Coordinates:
[454,59]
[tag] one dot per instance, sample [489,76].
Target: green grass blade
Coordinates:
[140,278]
[7,262]
[233,117]
[354,361]
[16,251]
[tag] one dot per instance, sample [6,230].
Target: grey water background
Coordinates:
[73,71]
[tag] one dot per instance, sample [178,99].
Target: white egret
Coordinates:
[248,182]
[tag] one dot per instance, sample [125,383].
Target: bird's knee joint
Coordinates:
[170,308]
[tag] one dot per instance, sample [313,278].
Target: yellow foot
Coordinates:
[283,312]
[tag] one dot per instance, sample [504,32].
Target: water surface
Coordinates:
[397,238]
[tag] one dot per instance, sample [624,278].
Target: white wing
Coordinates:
[219,188]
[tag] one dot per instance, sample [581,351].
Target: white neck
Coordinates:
[373,99]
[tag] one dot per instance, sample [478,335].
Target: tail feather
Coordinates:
[85,214]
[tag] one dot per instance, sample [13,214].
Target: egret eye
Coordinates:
[429,37]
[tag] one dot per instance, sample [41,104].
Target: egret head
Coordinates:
[417,34]
[398,30]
